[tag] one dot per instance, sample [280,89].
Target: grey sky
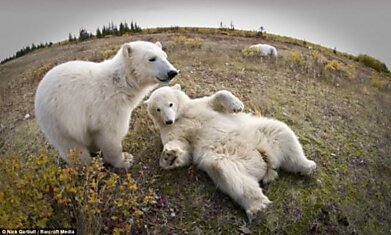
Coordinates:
[353,26]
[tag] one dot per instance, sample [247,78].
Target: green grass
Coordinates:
[341,116]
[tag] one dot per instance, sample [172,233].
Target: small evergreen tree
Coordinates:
[132,27]
[84,35]
[70,38]
[137,28]
[121,28]
[98,33]
[232,27]
[126,27]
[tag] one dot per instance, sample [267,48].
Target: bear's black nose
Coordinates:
[171,74]
[169,122]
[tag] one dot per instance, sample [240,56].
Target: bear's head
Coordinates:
[165,103]
[148,62]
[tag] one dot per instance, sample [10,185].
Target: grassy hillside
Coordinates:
[339,108]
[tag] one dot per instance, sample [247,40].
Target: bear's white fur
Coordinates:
[265,49]
[86,106]
[236,149]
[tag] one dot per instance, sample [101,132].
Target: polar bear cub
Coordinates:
[236,149]
[86,106]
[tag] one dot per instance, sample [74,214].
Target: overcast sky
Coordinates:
[353,26]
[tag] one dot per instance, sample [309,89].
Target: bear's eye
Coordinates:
[152,59]
[170,104]
[158,110]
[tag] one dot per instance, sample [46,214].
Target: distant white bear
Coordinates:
[236,149]
[86,106]
[265,49]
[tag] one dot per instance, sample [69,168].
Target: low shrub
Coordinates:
[189,42]
[36,192]
[340,68]
[374,63]
[250,52]
[378,83]
[37,73]
[296,57]
[318,57]
[334,65]
[105,54]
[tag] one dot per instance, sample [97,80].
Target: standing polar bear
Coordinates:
[236,149]
[264,50]
[86,106]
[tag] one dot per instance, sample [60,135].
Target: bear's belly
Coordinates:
[235,131]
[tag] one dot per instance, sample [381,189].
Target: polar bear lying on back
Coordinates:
[86,106]
[265,50]
[236,149]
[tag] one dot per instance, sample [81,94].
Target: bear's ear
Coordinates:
[177,87]
[126,50]
[159,45]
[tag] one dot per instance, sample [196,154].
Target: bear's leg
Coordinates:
[295,161]
[81,152]
[235,182]
[283,149]
[112,151]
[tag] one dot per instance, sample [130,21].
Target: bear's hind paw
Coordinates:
[309,169]
[259,205]
[270,176]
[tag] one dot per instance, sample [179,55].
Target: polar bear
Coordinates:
[265,50]
[235,149]
[86,106]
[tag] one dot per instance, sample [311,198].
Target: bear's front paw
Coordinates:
[173,157]
[236,105]
[229,102]
[126,162]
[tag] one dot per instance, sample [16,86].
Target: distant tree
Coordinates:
[132,26]
[98,33]
[113,30]
[84,35]
[121,28]
[231,25]
[104,31]
[261,32]
[126,27]
[335,50]
[26,50]
[71,38]
[221,25]
[137,28]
